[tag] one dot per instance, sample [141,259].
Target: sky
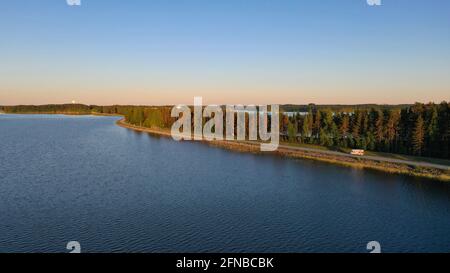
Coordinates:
[227,51]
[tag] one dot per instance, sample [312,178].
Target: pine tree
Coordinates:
[307,124]
[392,130]
[291,132]
[379,127]
[317,124]
[355,123]
[432,132]
[323,137]
[418,136]
[343,129]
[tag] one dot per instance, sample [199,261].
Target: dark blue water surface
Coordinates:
[65,178]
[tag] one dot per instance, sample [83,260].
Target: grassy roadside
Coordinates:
[439,161]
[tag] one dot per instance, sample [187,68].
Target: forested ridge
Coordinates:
[419,129]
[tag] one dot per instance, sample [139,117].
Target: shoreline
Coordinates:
[64,114]
[347,161]
[404,167]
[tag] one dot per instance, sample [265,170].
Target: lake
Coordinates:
[82,178]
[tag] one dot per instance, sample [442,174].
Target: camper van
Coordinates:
[357,152]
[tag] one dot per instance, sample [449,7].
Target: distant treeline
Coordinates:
[342,107]
[419,129]
[51,108]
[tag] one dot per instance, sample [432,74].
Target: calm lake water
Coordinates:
[65,178]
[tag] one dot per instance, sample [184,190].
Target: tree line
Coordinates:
[419,129]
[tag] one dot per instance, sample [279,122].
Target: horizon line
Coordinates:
[281,104]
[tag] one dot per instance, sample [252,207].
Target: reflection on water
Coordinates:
[65,178]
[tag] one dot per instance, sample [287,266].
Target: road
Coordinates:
[368,157]
[294,148]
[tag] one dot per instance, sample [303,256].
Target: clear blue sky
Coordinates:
[228,51]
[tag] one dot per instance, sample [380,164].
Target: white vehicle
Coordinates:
[357,152]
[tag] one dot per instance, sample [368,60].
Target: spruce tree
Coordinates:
[418,136]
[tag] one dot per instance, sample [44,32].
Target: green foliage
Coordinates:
[418,136]
[292,132]
[419,129]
